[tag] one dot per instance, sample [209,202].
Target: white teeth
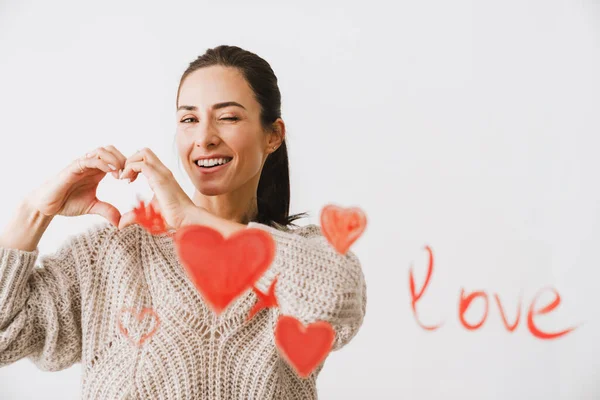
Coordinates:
[212,161]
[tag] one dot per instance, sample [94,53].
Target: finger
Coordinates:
[131,175]
[121,159]
[127,219]
[107,160]
[82,164]
[156,206]
[117,154]
[77,166]
[111,155]
[154,203]
[147,156]
[111,159]
[106,210]
[132,170]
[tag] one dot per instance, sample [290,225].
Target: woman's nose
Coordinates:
[206,135]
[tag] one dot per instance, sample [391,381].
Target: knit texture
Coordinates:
[68,310]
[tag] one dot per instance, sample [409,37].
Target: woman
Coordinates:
[72,309]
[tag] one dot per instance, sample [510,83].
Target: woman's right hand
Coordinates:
[73,191]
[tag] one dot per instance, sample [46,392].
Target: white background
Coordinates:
[471,127]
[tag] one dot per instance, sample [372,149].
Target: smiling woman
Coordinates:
[170,343]
[229,108]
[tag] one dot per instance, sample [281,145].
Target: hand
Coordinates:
[73,191]
[169,198]
[148,216]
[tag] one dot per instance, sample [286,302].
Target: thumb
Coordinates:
[127,219]
[156,206]
[106,210]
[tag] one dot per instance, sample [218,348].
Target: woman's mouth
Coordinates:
[213,165]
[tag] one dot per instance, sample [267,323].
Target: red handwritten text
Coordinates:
[467,298]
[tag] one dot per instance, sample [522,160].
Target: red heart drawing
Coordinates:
[342,226]
[304,347]
[223,268]
[139,317]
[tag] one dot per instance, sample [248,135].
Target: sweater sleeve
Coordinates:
[40,306]
[315,282]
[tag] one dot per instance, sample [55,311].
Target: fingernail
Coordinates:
[88,155]
[121,174]
[112,167]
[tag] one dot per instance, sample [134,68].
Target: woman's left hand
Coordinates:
[173,203]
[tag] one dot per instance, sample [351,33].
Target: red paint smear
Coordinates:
[149,218]
[264,300]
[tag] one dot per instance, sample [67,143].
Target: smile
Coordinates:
[212,167]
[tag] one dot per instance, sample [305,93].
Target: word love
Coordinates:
[466,299]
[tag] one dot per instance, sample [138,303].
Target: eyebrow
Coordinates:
[214,107]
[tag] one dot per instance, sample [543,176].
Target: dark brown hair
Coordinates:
[273,194]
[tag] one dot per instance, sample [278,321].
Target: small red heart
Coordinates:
[223,268]
[304,347]
[342,226]
[139,317]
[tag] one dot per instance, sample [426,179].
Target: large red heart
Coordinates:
[342,226]
[132,330]
[223,268]
[304,347]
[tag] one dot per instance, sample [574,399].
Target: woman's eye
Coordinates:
[229,119]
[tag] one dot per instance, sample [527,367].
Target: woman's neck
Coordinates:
[229,206]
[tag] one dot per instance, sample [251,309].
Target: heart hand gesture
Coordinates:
[169,198]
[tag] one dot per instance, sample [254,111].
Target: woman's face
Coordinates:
[208,128]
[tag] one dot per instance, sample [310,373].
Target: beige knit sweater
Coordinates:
[68,309]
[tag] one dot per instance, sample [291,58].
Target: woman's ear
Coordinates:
[277,136]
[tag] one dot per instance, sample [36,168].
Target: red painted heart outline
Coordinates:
[139,316]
